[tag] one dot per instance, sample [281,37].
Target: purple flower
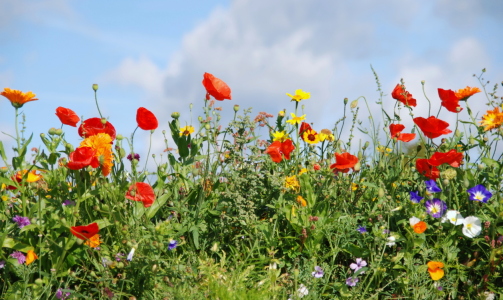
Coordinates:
[318,272]
[431,186]
[2,264]
[21,221]
[436,207]
[172,244]
[352,281]
[414,197]
[119,256]
[133,156]
[59,294]
[68,203]
[360,263]
[440,288]
[19,256]
[479,193]
[361,229]
[130,255]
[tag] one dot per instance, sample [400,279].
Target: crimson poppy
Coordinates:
[424,168]
[432,127]
[453,158]
[400,94]
[146,119]
[216,88]
[343,162]
[94,126]
[396,132]
[67,116]
[279,149]
[83,157]
[143,192]
[303,127]
[449,100]
[85,232]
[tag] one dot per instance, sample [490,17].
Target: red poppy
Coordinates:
[343,162]
[146,119]
[143,192]
[303,127]
[424,168]
[94,126]
[432,127]
[396,132]
[83,157]
[67,116]
[400,94]
[453,158]
[216,88]
[279,149]
[449,100]
[85,232]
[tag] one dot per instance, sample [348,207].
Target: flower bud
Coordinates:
[445,181]
[481,167]
[175,115]
[357,167]
[3,170]
[200,119]
[380,192]
[354,104]
[236,108]
[119,137]
[345,101]
[207,126]
[58,131]
[190,106]
[466,182]
[103,121]
[52,131]
[457,133]
[366,145]
[281,113]
[95,87]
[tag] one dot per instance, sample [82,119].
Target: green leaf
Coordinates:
[158,203]
[2,152]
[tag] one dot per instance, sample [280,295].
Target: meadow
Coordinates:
[264,207]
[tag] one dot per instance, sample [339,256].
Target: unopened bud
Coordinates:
[457,133]
[119,137]
[58,131]
[466,182]
[357,167]
[190,106]
[69,147]
[346,101]
[380,192]
[281,113]
[481,167]
[95,87]
[103,121]
[236,108]
[366,145]
[354,104]
[200,119]
[207,126]
[52,131]
[445,181]
[175,115]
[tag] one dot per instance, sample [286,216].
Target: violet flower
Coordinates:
[479,193]
[172,244]
[435,207]
[21,221]
[360,263]
[431,186]
[414,197]
[361,229]
[21,258]
[132,156]
[318,272]
[352,281]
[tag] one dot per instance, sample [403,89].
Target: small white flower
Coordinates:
[489,295]
[130,255]
[471,226]
[391,241]
[413,221]
[454,217]
[302,291]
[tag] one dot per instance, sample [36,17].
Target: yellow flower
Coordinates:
[280,136]
[299,95]
[187,130]
[94,241]
[18,98]
[310,136]
[302,171]
[326,134]
[467,92]
[492,119]
[295,119]
[30,257]
[435,270]
[32,176]
[102,144]
[5,197]
[292,183]
[302,202]
[354,186]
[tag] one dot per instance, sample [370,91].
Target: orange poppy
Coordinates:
[432,127]
[277,150]
[93,241]
[82,157]
[449,100]
[67,116]
[419,227]
[216,88]
[343,162]
[94,126]
[396,132]
[143,192]
[400,94]
[424,168]
[146,119]
[435,270]
[18,98]
[302,202]
[30,257]
[85,232]
[467,92]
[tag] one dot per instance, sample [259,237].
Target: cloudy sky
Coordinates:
[154,53]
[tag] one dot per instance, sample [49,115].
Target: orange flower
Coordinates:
[302,202]
[101,143]
[18,98]
[419,227]
[93,241]
[67,116]
[343,162]
[400,94]
[30,257]
[467,92]
[216,88]
[435,270]
[31,177]
[492,119]
[85,232]
[141,191]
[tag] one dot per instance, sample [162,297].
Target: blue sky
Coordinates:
[154,54]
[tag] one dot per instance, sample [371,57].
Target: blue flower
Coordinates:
[479,193]
[172,244]
[435,207]
[431,186]
[414,197]
[361,229]
[318,272]
[21,221]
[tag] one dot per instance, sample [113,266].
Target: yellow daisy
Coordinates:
[295,119]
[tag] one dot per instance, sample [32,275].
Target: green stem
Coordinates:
[96,100]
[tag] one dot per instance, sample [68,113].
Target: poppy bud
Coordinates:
[380,192]
[39,281]
[466,182]
[154,268]
[236,108]
[42,135]
[472,141]
[357,167]
[175,115]
[95,87]
[207,126]
[418,148]
[360,154]
[52,131]
[457,133]
[345,101]
[200,119]
[354,104]
[281,113]
[366,145]
[58,131]
[119,137]
[103,121]
[445,181]
[481,167]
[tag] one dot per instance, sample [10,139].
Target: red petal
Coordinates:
[146,119]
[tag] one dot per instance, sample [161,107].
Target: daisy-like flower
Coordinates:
[467,92]
[454,217]
[414,197]
[492,119]
[432,187]
[435,270]
[30,257]
[18,98]
[311,136]
[435,207]
[318,272]
[280,136]
[352,281]
[326,134]
[292,183]
[299,95]
[471,226]
[479,193]
[360,263]
[187,130]
[101,143]
[295,119]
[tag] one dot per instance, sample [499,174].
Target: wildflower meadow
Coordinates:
[265,207]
